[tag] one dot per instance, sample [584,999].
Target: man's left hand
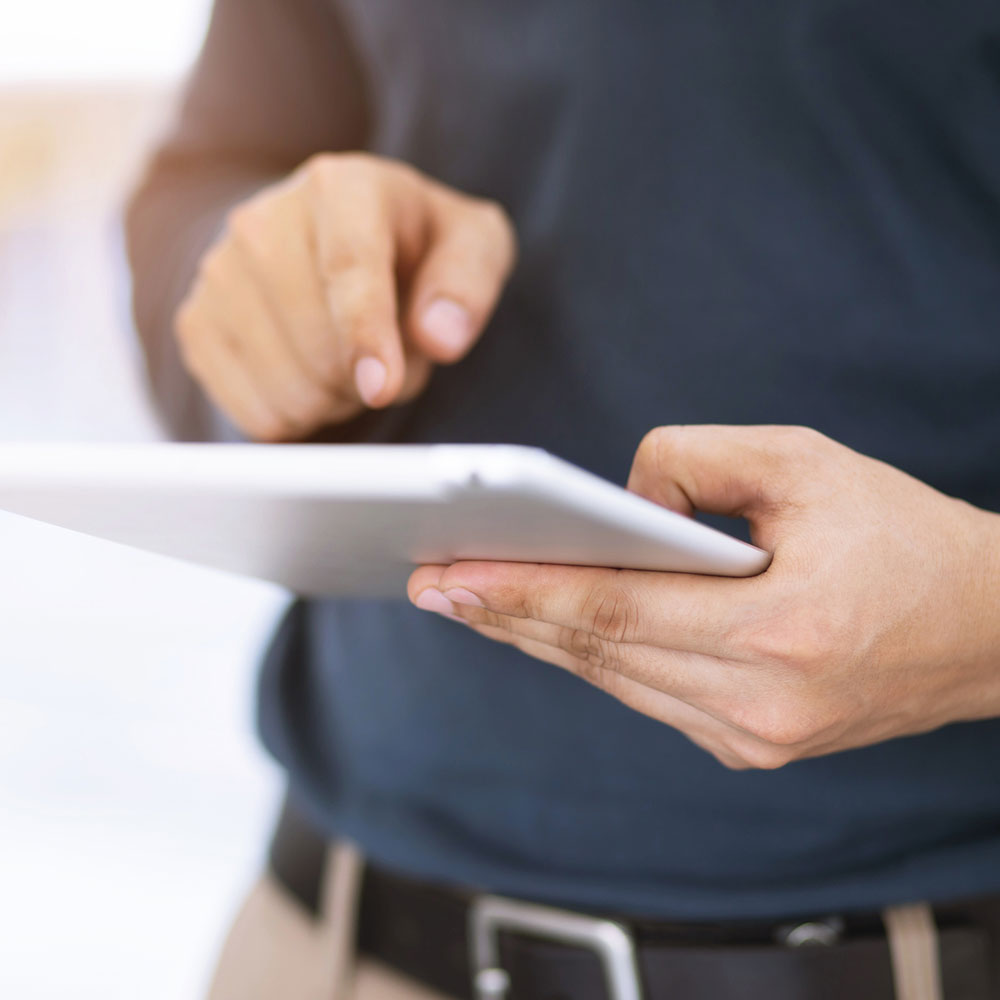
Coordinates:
[878,617]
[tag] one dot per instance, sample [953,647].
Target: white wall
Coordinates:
[134,801]
[45,40]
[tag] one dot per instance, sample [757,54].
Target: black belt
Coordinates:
[431,933]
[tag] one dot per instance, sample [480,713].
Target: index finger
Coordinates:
[669,610]
[356,262]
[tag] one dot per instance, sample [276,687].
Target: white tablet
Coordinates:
[355,519]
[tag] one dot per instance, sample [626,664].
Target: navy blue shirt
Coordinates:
[782,212]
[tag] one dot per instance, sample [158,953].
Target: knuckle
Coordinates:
[358,306]
[191,358]
[190,332]
[804,641]
[805,442]
[343,271]
[791,718]
[213,266]
[731,763]
[325,364]
[491,619]
[657,447]
[320,166]
[493,212]
[357,159]
[781,723]
[302,410]
[808,436]
[764,756]
[589,648]
[187,323]
[330,172]
[610,613]
[311,406]
[362,313]
[496,218]
[612,684]
[243,219]
[271,428]
[731,760]
[250,225]
[351,274]
[648,445]
[589,672]
[399,170]
[592,667]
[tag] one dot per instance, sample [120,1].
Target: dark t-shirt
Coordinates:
[782,212]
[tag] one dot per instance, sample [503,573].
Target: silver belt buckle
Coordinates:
[489,916]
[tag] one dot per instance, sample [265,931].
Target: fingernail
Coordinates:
[434,600]
[459,595]
[448,324]
[369,376]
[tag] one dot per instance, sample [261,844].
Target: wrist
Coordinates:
[983,621]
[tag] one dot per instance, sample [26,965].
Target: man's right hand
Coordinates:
[338,289]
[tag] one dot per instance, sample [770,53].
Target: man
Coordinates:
[783,215]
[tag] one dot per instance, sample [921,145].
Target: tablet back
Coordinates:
[354,520]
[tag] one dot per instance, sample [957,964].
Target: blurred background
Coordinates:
[134,802]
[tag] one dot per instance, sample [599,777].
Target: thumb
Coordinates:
[750,472]
[459,280]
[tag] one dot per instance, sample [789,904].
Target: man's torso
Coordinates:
[729,213]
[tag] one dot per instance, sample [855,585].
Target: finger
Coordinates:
[458,283]
[232,296]
[668,610]
[426,577]
[419,370]
[221,372]
[703,730]
[731,744]
[713,685]
[356,262]
[709,683]
[752,472]
[272,239]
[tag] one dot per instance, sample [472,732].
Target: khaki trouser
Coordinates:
[278,951]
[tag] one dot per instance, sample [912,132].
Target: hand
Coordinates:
[878,617]
[340,288]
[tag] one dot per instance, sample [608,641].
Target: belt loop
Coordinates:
[340,897]
[914,952]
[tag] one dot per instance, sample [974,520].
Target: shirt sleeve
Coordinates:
[276,82]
